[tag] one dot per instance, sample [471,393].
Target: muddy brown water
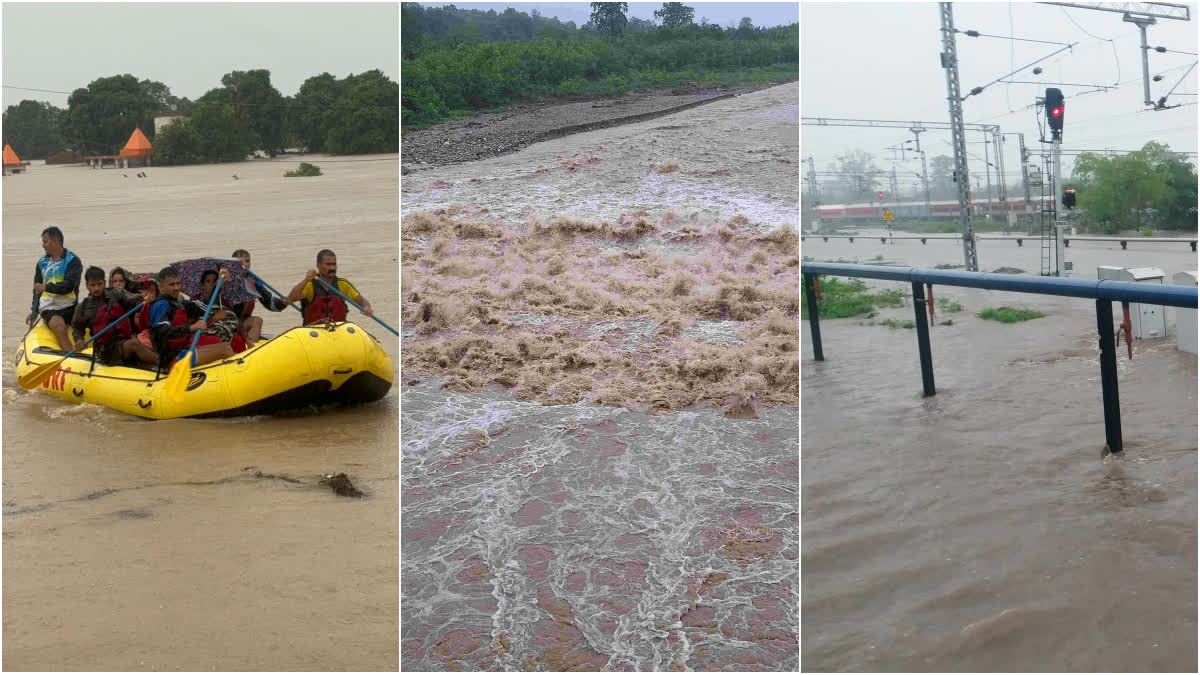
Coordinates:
[202,544]
[980,529]
[600,537]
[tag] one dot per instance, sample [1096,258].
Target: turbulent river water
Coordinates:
[540,529]
[201,544]
[980,529]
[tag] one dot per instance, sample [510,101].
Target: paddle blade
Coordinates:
[34,378]
[177,380]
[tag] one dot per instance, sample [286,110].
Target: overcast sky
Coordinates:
[880,61]
[189,46]
[765,14]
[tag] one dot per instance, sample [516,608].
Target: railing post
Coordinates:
[1108,376]
[923,338]
[814,319]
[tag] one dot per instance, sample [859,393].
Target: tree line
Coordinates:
[356,114]
[1153,187]
[457,61]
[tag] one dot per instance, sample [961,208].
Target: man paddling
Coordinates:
[319,303]
[252,325]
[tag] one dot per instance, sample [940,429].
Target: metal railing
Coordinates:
[1020,239]
[1104,292]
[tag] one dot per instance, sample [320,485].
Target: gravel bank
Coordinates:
[490,135]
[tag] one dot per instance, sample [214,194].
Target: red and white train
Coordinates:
[873,212]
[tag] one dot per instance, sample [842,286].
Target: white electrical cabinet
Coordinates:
[1149,321]
[1185,317]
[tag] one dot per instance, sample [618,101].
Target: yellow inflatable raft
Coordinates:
[305,366]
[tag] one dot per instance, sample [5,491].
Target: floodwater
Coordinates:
[541,530]
[135,545]
[980,529]
[582,536]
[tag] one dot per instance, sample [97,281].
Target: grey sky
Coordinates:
[880,61]
[189,46]
[721,13]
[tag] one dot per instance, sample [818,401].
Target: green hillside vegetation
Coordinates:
[457,61]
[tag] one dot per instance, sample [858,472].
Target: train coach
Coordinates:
[916,211]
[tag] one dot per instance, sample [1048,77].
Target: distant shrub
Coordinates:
[1009,314]
[305,169]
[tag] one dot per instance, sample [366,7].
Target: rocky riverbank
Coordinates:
[489,135]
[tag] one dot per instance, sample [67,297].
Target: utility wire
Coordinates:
[975,33]
[1110,41]
[1068,15]
[1181,79]
[1110,90]
[1011,57]
[48,91]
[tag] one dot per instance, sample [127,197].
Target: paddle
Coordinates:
[181,372]
[272,289]
[327,286]
[34,378]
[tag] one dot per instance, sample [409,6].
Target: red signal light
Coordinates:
[1057,112]
[1071,191]
[881,195]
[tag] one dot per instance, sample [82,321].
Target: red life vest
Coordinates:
[142,318]
[106,314]
[180,318]
[324,305]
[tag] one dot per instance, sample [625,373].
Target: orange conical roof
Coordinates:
[10,156]
[138,145]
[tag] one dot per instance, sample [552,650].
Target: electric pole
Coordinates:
[916,130]
[1142,15]
[814,195]
[1141,22]
[987,170]
[949,59]
[1024,169]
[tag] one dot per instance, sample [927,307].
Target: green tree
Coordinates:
[223,135]
[260,104]
[314,106]
[177,143]
[746,26]
[1180,212]
[675,14]
[1116,190]
[101,116]
[609,17]
[31,128]
[364,119]
[941,177]
[857,177]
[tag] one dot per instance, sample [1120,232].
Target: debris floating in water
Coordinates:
[342,486]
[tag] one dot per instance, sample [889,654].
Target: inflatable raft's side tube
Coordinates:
[302,367]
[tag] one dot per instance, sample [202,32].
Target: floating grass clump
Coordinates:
[948,305]
[841,299]
[1009,314]
[894,324]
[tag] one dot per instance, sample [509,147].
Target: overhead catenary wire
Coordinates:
[1181,78]
[1110,90]
[975,33]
